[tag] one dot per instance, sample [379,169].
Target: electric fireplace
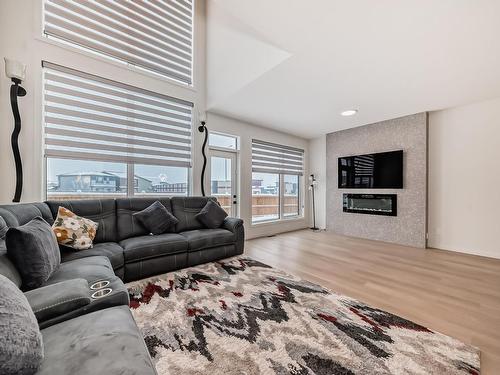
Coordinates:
[371,204]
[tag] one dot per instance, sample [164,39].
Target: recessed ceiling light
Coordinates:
[349,112]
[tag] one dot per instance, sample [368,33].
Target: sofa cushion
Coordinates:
[111,250]
[128,225]
[33,249]
[186,208]
[74,231]
[212,215]
[205,238]
[103,342]
[156,218]
[102,211]
[145,247]
[90,268]
[21,348]
[19,214]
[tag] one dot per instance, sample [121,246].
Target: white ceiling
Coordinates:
[294,65]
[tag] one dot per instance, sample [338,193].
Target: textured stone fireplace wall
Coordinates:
[407,133]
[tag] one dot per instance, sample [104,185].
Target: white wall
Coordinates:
[21,39]
[246,132]
[317,166]
[464,179]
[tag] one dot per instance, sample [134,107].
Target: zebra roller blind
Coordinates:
[274,158]
[154,35]
[93,118]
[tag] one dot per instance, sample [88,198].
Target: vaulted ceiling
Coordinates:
[294,65]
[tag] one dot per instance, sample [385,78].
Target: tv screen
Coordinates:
[383,170]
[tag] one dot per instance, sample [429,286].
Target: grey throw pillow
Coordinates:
[21,348]
[3,228]
[156,218]
[212,215]
[34,251]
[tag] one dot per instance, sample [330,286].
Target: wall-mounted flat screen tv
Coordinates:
[383,170]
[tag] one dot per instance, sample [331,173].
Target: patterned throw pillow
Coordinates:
[74,231]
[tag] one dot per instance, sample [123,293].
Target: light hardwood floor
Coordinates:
[452,293]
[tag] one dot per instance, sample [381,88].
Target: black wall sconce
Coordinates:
[16,71]
[203,129]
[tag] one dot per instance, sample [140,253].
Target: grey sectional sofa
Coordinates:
[86,335]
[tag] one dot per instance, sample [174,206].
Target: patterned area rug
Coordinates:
[239,316]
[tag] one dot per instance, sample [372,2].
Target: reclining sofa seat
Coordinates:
[105,341]
[95,268]
[103,212]
[205,245]
[183,245]
[144,254]
[134,253]
[83,341]
[88,268]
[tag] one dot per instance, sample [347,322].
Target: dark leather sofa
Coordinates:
[86,335]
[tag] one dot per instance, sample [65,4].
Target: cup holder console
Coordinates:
[99,284]
[101,293]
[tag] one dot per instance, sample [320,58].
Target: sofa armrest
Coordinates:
[232,223]
[235,225]
[58,299]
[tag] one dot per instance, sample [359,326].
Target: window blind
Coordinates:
[274,158]
[93,118]
[154,35]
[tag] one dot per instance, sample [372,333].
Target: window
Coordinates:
[158,179]
[71,179]
[291,204]
[276,181]
[113,138]
[223,141]
[152,35]
[265,197]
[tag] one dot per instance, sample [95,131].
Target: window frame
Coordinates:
[109,59]
[221,148]
[300,193]
[300,207]
[130,170]
[280,202]
[281,197]
[189,90]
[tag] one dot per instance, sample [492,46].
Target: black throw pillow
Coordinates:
[34,251]
[156,218]
[212,215]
